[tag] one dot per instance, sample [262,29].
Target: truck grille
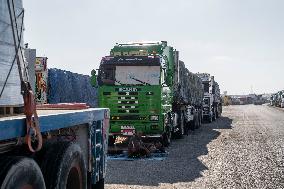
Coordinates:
[128,101]
[127,107]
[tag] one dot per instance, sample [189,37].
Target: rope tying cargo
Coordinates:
[33,130]
[32,122]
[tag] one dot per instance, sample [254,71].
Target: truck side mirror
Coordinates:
[94,81]
[94,72]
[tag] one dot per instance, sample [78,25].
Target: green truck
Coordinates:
[149,91]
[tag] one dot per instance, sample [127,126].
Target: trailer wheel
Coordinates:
[64,167]
[167,138]
[181,127]
[191,125]
[196,122]
[20,173]
[167,135]
[214,115]
[210,119]
[99,185]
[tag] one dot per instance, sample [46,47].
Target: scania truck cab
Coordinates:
[135,83]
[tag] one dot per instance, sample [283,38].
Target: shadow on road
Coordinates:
[182,164]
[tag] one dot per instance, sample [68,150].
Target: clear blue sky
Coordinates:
[241,42]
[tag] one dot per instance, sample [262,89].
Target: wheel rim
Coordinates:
[74,179]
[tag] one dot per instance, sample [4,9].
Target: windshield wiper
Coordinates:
[118,81]
[143,82]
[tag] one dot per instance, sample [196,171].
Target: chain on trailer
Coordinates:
[33,135]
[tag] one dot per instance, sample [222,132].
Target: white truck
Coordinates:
[212,105]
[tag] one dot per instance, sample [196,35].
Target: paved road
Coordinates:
[242,149]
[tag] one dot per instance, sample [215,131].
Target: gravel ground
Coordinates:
[242,149]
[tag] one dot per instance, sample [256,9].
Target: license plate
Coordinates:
[127,130]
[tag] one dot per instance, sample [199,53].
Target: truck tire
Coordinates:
[191,125]
[99,185]
[64,167]
[214,115]
[179,134]
[167,136]
[197,122]
[20,172]
[210,119]
[200,120]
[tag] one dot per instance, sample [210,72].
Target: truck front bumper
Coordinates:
[119,143]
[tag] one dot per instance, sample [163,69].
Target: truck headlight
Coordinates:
[154,118]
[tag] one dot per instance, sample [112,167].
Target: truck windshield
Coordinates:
[130,75]
[130,70]
[135,75]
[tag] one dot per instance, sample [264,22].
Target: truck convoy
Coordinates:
[277,99]
[212,106]
[149,91]
[59,148]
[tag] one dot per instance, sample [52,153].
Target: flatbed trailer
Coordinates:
[73,153]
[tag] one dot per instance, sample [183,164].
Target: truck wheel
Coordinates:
[179,134]
[167,135]
[214,115]
[191,125]
[99,185]
[196,123]
[64,167]
[210,119]
[167,138]
[181,127]
[200,120]
[20,173]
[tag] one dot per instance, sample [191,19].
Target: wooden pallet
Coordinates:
[6,111]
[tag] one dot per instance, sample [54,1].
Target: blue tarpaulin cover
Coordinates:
[68,87]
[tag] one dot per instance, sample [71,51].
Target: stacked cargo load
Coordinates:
[180,86]
[11,43]
[188,96]
[65,87]
[196,89]
[187,85]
